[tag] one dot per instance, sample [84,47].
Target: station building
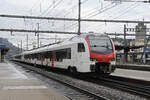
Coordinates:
[140,34]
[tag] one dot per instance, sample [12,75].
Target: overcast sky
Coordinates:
[98,9]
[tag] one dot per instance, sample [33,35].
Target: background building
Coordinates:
[140,34]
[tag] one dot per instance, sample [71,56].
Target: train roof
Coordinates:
[61,43]
[54,45]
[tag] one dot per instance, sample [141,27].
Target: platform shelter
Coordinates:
[3,51]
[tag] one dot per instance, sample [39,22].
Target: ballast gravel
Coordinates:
[109,93]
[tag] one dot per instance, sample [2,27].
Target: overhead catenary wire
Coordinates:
[87,16]
[72,19]
[101,11]
[38,2]
[36,31]
[108,8]
[94,10]
[126,11]
[73,7]
[51,7]
[45,12]
[82,2]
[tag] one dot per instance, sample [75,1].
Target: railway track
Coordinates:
[91,95]
[135,86]
[126,85]
[132,86]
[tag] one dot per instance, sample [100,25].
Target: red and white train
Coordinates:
[83,53]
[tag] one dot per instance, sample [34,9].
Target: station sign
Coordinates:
[2,46]
[146,49]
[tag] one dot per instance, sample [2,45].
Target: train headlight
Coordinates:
[93,60]
[112,62]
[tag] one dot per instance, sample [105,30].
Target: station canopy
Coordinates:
[3,48]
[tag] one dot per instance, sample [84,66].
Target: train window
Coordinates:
[45,55]
[35,56]
[32,56]
[81,47]
[62,54]
[38,57]
[50,56]
[25,56]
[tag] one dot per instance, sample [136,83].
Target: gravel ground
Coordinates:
[109,93]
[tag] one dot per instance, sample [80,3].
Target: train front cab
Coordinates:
[102,54]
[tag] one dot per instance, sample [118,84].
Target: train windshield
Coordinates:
[100,44]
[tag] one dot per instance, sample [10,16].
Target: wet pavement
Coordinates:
[15,85]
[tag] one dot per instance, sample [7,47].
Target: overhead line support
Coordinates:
[73,19]
[36,31]
[79,18]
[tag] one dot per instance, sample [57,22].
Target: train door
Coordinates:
[81,53]
[74,55]
[83,58]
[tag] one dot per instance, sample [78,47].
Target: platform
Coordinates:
[134,67]
[16,85]
[128,73]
